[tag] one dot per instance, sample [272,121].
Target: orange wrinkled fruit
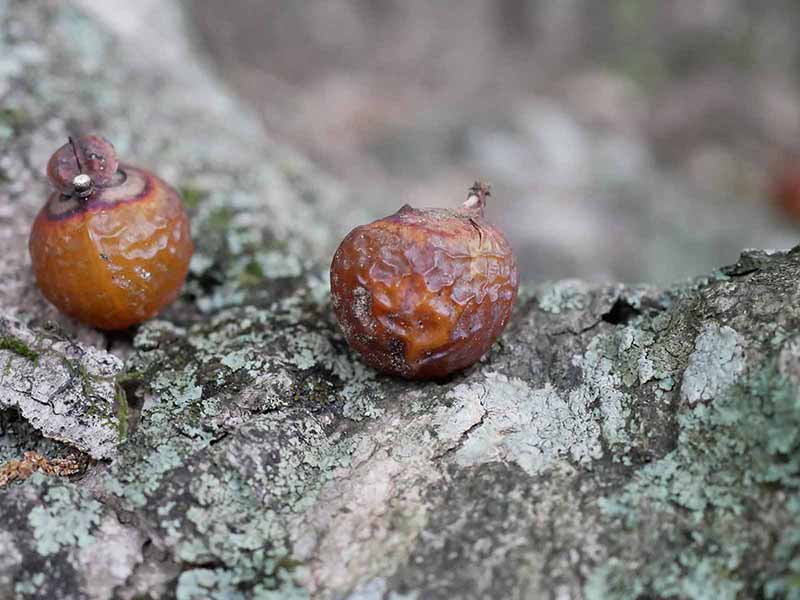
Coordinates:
[111,246]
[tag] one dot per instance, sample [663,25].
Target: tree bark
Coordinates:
[619,441]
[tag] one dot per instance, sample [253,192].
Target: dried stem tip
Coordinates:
[76,153]
[476,197]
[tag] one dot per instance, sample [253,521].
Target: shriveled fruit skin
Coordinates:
[424,292]
[116,259]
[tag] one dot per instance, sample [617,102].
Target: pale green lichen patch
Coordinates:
[635,366]
[613,370]
[219,584]
[716,362]
[278,265]
[627,376]
[137,480]
[565,295]
[360,405]
[308,349]
[249,351]
[230,506]
[31,586]
[236,262]
[226,522]
[728,454]
[530,427]
[217,390]
[66,518]
[602,388]
[237,359]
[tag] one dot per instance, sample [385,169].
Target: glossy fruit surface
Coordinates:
[424,292]
[117,256]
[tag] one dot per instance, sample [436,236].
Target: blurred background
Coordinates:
[633,140]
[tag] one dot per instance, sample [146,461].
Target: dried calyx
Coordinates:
[82,164]
[476,196]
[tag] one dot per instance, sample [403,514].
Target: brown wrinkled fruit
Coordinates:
[111,246]
[425,292]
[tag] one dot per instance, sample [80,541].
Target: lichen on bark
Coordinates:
[617,441]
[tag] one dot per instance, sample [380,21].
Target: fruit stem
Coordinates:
[75,152]
[476,196]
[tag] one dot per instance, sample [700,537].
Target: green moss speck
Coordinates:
[121,400]
[192,197]
[252,274]
[18,347]
[220,218]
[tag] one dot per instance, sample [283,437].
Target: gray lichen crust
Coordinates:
[64,389]
[618,442]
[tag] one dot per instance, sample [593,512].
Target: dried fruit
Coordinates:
[425,292]
[111,246]
[785,188]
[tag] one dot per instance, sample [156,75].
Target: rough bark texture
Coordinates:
[617,442]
